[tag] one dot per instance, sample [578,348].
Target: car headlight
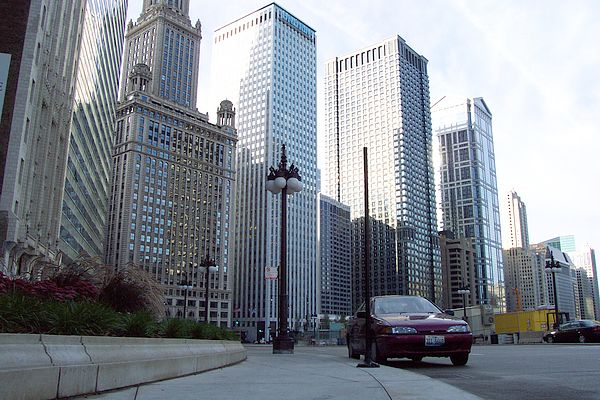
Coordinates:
[400,330]
[458,328]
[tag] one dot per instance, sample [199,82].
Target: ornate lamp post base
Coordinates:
[283,345]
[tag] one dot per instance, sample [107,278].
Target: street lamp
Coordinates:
[186,285]
[553,267]
[464,290]
[286,181]
[209,265]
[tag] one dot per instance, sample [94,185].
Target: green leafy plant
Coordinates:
[140,324]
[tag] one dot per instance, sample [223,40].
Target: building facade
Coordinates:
[458,270]
[87,179]
[335,257]
[266,63]
[521,279]
[44,52]
[468,188]
[378,97]
[565,295]
[171,201]
[586,259]
[563,243]
[515,228]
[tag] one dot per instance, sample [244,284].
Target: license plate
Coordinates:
[434,340]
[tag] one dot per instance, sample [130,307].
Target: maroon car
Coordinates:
[582,331]
[409,327]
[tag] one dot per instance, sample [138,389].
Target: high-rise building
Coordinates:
[565,295]
[468,189]
[87,181]
[335,259]
[266,63]
[586,259]
[171,201]
[458,270]
[42,43]
[563,243]
[516,231]
[584,293]
[378,97]
[521,280]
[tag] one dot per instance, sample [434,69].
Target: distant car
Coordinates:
[409,327]
[582,331]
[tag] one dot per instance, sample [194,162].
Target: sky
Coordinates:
[536,63]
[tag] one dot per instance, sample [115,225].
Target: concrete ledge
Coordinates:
[63,366]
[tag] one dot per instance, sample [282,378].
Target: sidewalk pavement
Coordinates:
[310,373]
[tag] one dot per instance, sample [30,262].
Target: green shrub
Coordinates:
[20,313]
[83,318]
[140,324]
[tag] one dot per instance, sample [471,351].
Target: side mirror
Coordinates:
[361,314]
[449,312]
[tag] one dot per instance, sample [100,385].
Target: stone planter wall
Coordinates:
[49,367]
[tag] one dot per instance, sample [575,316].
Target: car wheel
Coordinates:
[376,355]
[550,339]
[417,359]
[351,353]
[582,338]
[459,359]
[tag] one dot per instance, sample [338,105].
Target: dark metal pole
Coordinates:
[465,305]
[368,362]
[185,283]
[207,266]
[283,267]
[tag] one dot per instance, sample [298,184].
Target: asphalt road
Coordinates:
[532,372]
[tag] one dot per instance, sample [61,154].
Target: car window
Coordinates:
[403,304]
[589,322]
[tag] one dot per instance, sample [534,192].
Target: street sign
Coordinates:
[270,273]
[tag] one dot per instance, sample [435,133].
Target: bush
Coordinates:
[140,324]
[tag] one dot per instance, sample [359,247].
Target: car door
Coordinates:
[570,334]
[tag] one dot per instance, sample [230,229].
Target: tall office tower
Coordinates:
[469,193]
[515,223]
[563,243]
[542,253]
[378,97]
[266,63]
[173,171]
[584,294]
[87,182]
[43,49]
[521,280]
[586,259]
[335,257]
[458,270]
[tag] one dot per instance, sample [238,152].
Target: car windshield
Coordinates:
[589,322]
[402,304]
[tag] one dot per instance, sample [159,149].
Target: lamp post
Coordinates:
[286,181]
[553,267]
[185,285]
[209,265]
[464,290]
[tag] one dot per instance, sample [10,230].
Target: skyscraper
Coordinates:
[563,243]
[586,259]
[335,257]
[469,193]
[516,230]
[378,97]
[173,171]
[44,52]
[266,63]
[87,181]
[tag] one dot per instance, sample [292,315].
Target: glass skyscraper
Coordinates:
[378,97]
[265,62]
[469,192]
[87,183]
[173,170]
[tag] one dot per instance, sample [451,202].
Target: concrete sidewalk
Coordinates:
[309,373]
